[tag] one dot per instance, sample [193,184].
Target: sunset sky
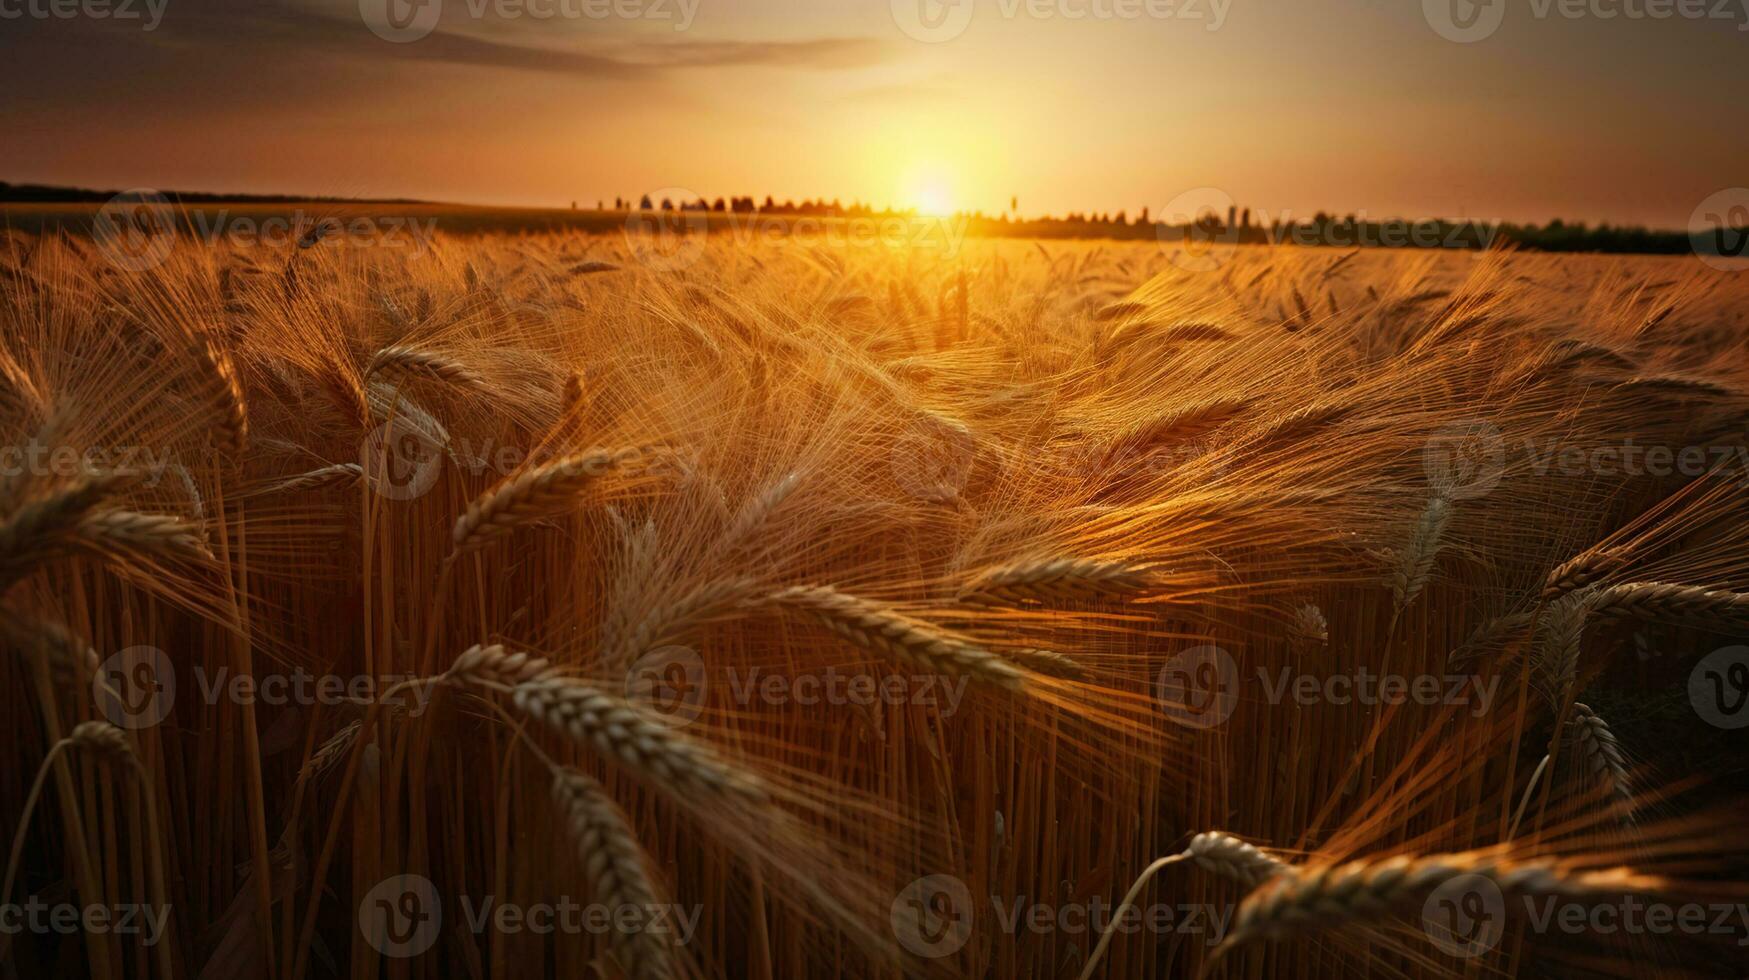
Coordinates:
[1290,105]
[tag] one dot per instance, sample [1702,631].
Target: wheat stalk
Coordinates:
[534,494]
[908,640]
[1214,851]
[617,869]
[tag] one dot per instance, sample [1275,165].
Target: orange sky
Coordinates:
[1289,106]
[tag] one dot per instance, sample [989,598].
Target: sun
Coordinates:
[934,199]
[928,189]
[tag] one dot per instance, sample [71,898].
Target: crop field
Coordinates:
[554,604]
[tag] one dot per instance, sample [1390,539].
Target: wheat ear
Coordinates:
[532,495]
[338,475]
[1493,631]
[226,393]
[383,402]
[1676,386]
[1305,899]
[1059,580]
[758,510]
[1663,600]
[662,756]
[414,362]
[1214,851]
[1414,564]
[1565,628]
[1230,857]
[1579,572]
[910,641]
[331,751]
[1310,624]
[495,665]
[1601,750]
[1047,662]
[103,738]
[671,621]
[46,526]
[70,658]
[111,744]
[618,871]
[151,535]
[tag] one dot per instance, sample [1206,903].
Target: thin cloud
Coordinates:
[300,29]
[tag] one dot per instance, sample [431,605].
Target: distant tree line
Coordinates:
[1237,226]
[747,205]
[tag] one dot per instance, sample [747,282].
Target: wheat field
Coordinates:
[806,610]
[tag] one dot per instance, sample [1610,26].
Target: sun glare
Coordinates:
[933,199]
[929,190]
